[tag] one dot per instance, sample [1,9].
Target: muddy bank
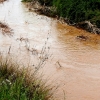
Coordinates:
[51,12]
[1,1]
[5,29]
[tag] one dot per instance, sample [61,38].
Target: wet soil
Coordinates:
[1,1]
[5,29]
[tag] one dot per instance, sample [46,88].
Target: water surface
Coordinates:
[74,65]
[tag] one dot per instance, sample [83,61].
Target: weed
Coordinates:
[19,84]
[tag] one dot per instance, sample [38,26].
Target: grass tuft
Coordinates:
[18,84]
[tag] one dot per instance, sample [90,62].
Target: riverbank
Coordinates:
[83,17]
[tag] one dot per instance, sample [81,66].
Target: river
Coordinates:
[72,64]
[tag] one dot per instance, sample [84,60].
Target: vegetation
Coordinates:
[75,10]
[18,84]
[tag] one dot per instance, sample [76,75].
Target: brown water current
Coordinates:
[73,64]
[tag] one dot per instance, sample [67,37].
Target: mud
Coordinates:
[1,1]
[5,29]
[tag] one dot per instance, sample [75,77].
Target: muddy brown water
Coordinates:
[75,63]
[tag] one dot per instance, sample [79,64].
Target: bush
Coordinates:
[77,10]
[98,23]
[46,2]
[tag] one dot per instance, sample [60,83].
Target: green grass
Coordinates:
[18,84]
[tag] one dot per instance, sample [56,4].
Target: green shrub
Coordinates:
[98,23]
[77,10]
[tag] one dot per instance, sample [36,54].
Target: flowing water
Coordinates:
[73,64]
